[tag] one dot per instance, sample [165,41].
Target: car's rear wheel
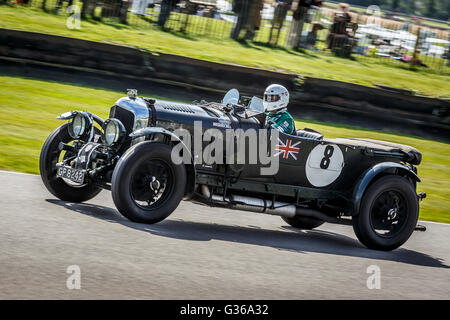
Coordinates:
[304,223]
[388,214]
[50,156]
[146,185]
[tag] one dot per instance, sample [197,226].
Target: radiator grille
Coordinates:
[125,116]
[127,119]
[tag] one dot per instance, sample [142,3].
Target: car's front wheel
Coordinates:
[146,185]
[50,156]
[388,214]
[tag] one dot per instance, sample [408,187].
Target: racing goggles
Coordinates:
[271,97]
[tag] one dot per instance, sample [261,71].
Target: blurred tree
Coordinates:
[376,2]
[394,5]
[59,4]
[412,6]
[88,8]
[431,8]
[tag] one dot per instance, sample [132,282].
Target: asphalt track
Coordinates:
[198,253]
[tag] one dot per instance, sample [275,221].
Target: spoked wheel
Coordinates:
[388,214]
[146,185]
[151,184]
[59,187]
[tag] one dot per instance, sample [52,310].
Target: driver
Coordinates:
[276,99]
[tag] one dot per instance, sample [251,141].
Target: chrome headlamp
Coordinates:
[113,132]
[80,125]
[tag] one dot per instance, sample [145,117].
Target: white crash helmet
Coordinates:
[276,97]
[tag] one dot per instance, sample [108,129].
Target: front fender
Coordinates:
[371,173]
[70,114]
[152,130]
[190,168]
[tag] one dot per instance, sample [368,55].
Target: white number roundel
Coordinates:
[324,164]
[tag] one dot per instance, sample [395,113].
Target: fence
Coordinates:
[368,34]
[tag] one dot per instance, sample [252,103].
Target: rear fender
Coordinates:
[190,168]
[370,174]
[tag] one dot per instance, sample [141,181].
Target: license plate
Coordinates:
[75,175]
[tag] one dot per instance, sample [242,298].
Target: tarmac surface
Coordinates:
[198,252]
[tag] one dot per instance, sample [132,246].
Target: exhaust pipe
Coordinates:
[266,206]
[252,204]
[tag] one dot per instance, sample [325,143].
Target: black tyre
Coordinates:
[388,214]
[146,185]
[305,223]
[50,155]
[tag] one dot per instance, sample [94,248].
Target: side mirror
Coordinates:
[231,96]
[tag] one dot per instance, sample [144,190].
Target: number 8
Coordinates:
[328,153]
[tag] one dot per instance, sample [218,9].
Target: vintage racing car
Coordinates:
[365,183]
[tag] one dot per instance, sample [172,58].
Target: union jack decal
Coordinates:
[287,149]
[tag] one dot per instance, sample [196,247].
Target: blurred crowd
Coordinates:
[295,24]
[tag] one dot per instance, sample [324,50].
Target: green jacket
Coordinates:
[282,120]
